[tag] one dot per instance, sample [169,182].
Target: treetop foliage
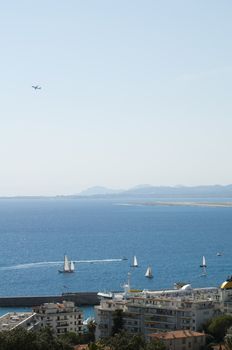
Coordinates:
[218,327]
[125,341]
[21,339]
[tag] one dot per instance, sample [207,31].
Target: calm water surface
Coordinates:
[35,234]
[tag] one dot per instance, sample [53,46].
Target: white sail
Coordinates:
[66,264]
[135,262]
[72,267]
[149,272]
[203,262]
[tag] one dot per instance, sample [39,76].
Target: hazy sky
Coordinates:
[133,91]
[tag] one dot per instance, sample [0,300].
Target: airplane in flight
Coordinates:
[36,87]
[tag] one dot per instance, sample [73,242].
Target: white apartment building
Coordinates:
[61,317]
[164,311]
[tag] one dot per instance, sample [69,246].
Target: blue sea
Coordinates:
[35,234]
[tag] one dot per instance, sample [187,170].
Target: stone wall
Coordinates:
[82,298]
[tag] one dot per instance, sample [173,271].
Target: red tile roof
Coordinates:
[81,347]
[176,334]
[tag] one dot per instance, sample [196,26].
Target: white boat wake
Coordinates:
[55,263]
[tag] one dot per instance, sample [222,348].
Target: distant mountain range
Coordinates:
[148,190]
[98,190]
[144,191]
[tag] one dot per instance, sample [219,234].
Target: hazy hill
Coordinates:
[98,190]
[148,190]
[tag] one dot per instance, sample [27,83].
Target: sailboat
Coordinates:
[203,262]
[135,262]
[71,266]
[68,266]
[148,273]
[219,254]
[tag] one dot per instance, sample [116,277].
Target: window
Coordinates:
[183,341]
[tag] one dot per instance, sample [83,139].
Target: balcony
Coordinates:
[62,324]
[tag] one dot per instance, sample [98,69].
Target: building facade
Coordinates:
[181,340]
[160,311]
[61,317]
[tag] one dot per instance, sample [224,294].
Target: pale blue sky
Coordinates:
[132,92]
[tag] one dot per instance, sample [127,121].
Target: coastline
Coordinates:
[185,204]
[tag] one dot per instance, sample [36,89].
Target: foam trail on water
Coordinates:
[97,261]
[54,263]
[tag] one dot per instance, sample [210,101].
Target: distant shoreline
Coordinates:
[126,197]
[185,204]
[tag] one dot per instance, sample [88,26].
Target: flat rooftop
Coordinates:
[14,319]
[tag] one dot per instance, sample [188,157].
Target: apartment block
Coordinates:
[61,317]
[159,311]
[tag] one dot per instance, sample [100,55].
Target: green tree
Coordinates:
[91,330]
[155,345]
[228,339]
[218,326]
[126,341]
[117,322]
[228,343]
[71,338]
[21,339]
